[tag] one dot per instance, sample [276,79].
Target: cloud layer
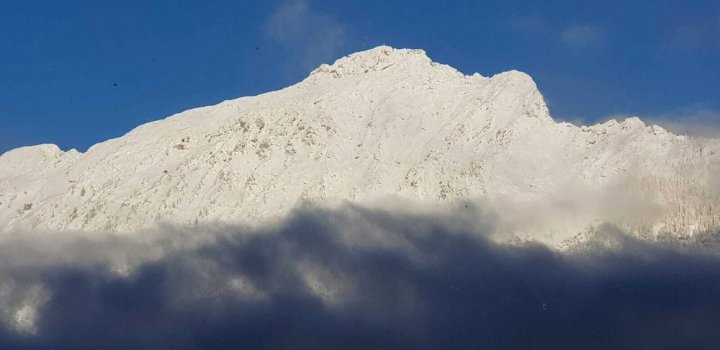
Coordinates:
[350,278]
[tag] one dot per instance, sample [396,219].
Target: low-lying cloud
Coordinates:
[349,278]
[693,121]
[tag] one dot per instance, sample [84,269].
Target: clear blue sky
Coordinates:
[75,73]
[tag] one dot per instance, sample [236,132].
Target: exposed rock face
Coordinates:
[376,123]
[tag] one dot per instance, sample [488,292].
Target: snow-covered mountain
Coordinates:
[379,123]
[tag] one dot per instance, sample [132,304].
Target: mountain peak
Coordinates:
[376,59]
[413,66]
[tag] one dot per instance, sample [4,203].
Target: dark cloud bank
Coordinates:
[355,278]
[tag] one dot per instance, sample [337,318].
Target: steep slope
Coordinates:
[376,123]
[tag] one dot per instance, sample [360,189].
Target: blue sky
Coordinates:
[75,73]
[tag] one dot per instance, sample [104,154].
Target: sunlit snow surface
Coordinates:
[383,122]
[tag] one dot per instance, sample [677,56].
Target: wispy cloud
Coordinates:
[581,35]
[310,36]
[578,35]
[530,25]
[698,34]
[693,121]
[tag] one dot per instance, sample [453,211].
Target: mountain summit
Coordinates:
[378,123]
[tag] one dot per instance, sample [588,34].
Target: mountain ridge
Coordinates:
[375,123]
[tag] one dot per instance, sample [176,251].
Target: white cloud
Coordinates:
[310,36]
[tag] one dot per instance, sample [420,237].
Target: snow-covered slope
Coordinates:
[376,123]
